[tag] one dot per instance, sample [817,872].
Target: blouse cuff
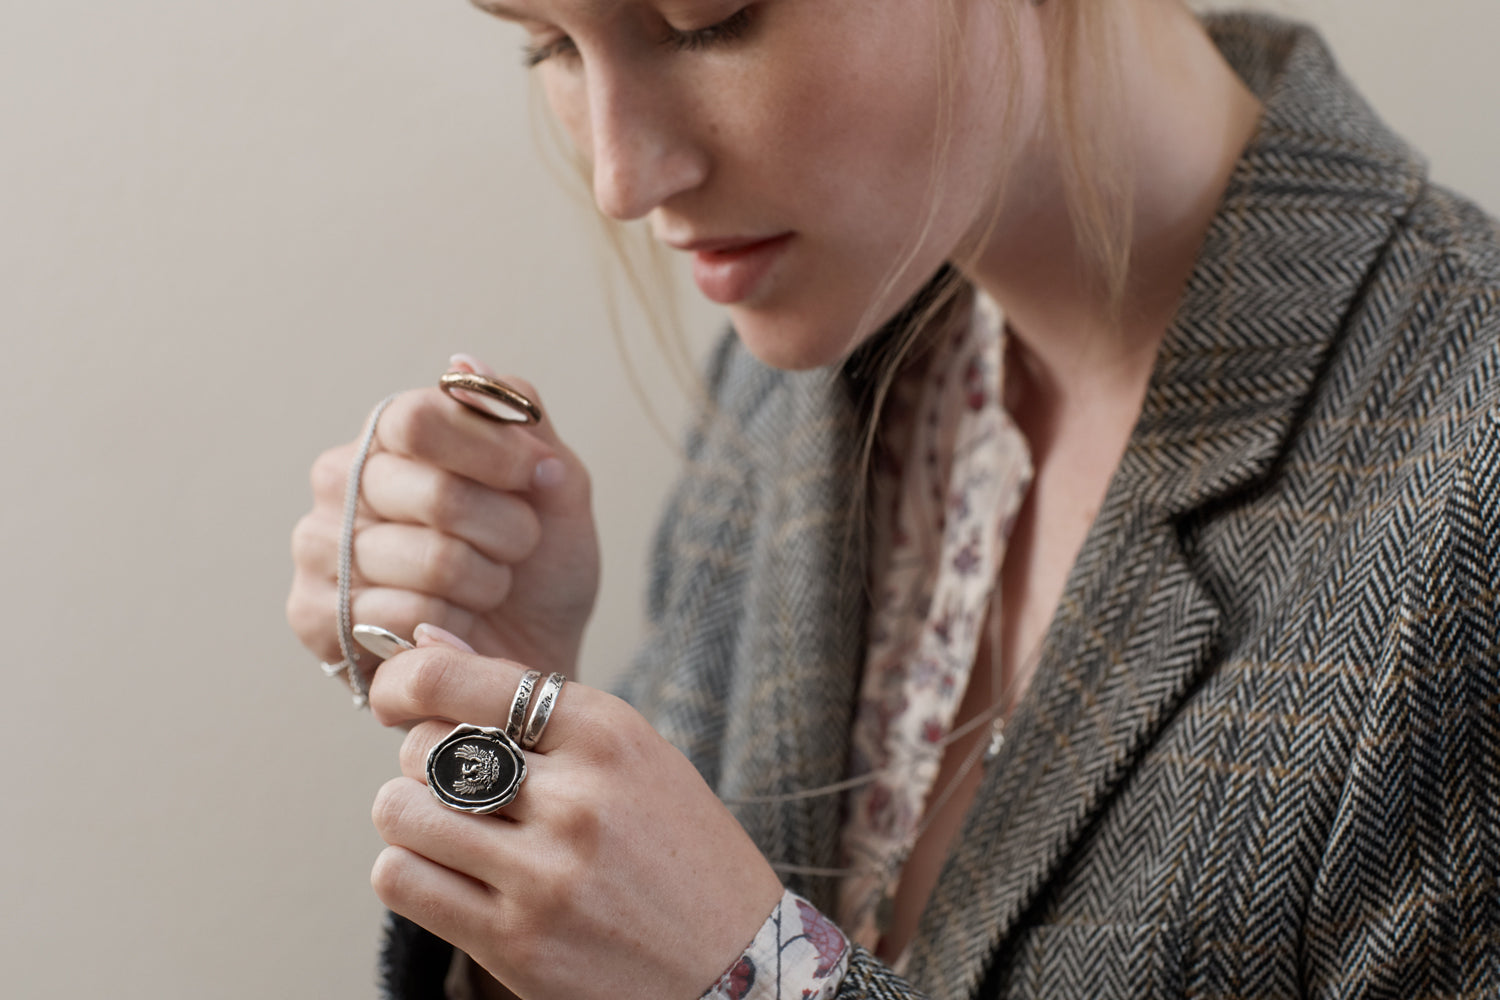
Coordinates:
[799,954]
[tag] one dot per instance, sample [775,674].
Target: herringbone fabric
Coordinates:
[1261,755]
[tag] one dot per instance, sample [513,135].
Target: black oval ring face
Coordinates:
[475,769]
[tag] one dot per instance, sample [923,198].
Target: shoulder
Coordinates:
[1419,367]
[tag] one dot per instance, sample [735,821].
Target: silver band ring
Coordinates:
[475,769]
[546,700]
[516,722]
[490,397]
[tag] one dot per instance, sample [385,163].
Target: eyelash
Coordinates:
[731,29]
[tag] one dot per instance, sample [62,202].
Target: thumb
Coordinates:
[428,634]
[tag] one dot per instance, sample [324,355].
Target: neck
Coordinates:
[1186,121]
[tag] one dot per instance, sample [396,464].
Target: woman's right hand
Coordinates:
[482,528]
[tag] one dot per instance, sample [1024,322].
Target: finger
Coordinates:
[560,484]
[312,603]
[428,426]
[439,899]
[330,476]
[435,682]
[315,544]
[310,612]
[402,611]
[501,526]
[406,814]
[468,363]
[409,557]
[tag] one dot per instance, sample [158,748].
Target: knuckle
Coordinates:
[429,679]
[414,749]
[308,541]
[526,533]
[441,560]
[390,876]
[582,828]
[549,903]
[585,480]
[447,502]
[388,809]
[497,589]
[310,620]
[414,423]
[329,472]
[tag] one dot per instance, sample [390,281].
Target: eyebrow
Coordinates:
[499,10]
[509,13]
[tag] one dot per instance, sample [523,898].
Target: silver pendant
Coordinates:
[997,739]
[475,769]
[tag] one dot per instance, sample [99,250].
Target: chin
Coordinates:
[793,342]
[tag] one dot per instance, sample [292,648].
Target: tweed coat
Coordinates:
[1261,755]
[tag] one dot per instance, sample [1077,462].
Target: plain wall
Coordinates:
[226,230]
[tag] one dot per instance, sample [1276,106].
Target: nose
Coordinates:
[644,150]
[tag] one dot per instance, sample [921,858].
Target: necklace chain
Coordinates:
[347,647]
[890,867]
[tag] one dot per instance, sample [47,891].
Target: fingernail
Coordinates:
[431,635]
[467,362]
[550,472]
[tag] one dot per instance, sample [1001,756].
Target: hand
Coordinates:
[482,528]
[615,872]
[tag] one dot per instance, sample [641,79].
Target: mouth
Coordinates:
[730,270]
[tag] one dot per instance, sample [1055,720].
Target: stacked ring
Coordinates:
[479,769]
[546,698]
[516,721]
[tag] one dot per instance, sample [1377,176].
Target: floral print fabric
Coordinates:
[949,486]
[951,476]
[799,954]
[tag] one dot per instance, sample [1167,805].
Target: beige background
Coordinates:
[225,231]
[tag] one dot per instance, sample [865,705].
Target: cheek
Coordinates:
[567,98]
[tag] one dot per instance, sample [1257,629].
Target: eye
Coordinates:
[535,53]
[731,29]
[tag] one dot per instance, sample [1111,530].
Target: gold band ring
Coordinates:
[490,397]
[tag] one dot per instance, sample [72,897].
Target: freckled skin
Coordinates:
[821,121]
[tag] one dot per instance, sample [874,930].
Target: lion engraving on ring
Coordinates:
[480,770]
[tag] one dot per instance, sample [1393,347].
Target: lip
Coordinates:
[729,270]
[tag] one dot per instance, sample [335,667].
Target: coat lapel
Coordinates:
[1306,215]
[800,650]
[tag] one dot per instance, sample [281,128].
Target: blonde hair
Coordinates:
[1081,43]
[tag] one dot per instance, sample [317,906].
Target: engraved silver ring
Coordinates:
[546,700]
[516,721]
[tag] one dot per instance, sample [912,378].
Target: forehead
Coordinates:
[547,10]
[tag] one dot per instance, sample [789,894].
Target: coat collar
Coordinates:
[1306,216]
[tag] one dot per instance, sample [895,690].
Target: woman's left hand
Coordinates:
[614,873]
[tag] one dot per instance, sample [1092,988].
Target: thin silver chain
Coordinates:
[347,646]
[986,749]
[982,749]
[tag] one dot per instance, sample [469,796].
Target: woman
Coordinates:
[1166,663]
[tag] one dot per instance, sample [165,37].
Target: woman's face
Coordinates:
[787,145]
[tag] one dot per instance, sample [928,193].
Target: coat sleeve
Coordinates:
[1407,902]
